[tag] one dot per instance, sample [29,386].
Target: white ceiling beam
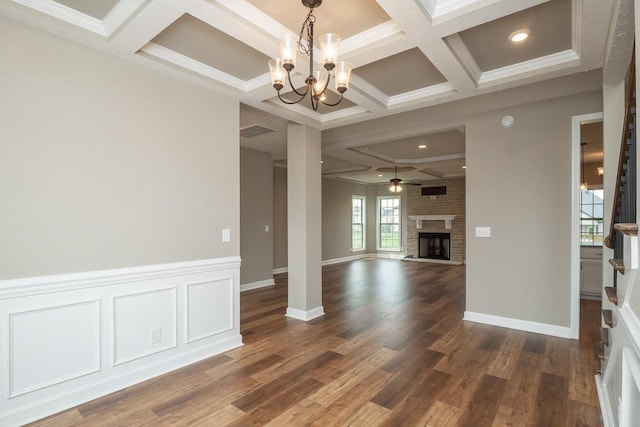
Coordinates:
[415,23]
[242,21]
[151,20]
[478,13]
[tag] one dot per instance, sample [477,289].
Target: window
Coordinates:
[388,217]
[591,223]
[358,204]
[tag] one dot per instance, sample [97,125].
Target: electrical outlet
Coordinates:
[156,335]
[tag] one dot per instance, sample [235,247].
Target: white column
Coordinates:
[304,210]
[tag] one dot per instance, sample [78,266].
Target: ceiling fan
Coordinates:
[396,183]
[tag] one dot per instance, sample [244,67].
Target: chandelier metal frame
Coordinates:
[315,84]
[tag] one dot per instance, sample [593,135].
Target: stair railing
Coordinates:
[624,199]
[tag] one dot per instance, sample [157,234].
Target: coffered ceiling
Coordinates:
[406,55]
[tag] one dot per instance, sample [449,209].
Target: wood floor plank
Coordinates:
[535,343]
[583,415]
[64,419]
[224,416]
[440,414]
[262,394]
[556,357]
[552,401]
[277,403]
[484,403]
[512,417]
[301,414]
[413,408]
[294,360]
[391,349]
[212,395]
[505,358]
[151,392]
[340,409]
[340,386]
[466,379]
[523,387]
[582,385]
[363,359]
[369,415]
[407,377]
[415,351]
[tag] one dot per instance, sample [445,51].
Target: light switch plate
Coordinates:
[226,235]
[483,231]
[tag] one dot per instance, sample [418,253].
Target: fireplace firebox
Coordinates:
[434,246]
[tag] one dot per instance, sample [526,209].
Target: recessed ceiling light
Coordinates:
[380,174]
[321,161]
[464,167]
[519,35]
[422,146]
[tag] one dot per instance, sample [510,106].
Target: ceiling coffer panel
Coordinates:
[198,40]
[345,18]
[98,9]
[550,29]
[401,73]
[437,144]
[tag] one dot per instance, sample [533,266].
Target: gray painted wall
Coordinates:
[256,212]
[336,217]
[519,183]
[107,164]
[280,230]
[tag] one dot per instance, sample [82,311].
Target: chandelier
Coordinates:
[318,81]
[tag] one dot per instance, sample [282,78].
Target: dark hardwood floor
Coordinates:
[391,350]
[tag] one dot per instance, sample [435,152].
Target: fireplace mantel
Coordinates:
[419,218]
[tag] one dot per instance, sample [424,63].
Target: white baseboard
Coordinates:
[343,259]
[305,315]
[388,255]
[521,325]
[280,270]
[108,317]
[433,261]
[257,285]
[605,408]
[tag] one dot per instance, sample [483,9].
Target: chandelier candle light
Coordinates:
[318,81]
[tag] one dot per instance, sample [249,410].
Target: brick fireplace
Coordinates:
[438,215]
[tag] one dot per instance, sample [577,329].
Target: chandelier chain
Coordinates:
[307,25]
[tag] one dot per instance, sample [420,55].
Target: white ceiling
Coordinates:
[407,55]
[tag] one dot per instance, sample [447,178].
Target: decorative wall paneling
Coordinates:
[67,339]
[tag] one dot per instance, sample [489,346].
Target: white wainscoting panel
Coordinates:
[209,308]
[52,345]
[629,408]
[71,338]
[143,323]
